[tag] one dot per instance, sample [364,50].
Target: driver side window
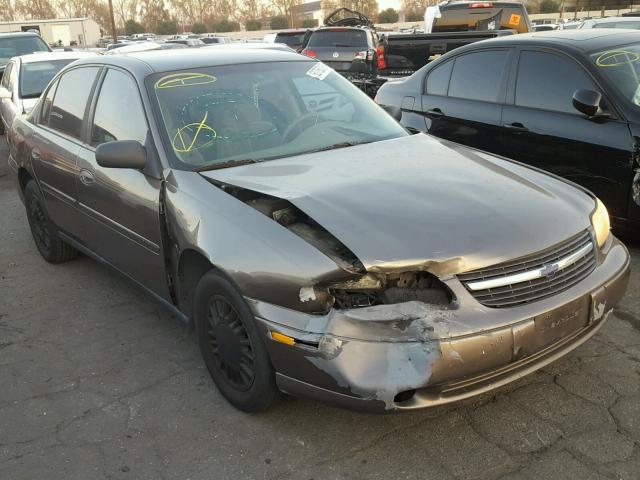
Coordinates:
[118,94]
[547,81]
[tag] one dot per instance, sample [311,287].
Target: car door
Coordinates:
[120,207]
[56,141]
[9,106]
[463,97]
[542,128]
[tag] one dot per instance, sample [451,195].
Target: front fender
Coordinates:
[265,260]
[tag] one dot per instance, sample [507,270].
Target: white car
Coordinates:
[24,79]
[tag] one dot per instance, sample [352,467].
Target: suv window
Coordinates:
[118,94]
[478,76]
[338,37]
[22,45]
[70,101]
[438,79]
[548,81]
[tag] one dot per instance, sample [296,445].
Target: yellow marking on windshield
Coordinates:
[198,129]
[616,58]
[184,80]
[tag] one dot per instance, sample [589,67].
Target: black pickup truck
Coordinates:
[454,24]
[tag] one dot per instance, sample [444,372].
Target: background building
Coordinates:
[81,32]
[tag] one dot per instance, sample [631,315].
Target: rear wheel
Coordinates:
[231,345]
[44,232]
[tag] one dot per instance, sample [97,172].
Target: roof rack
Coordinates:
[351,19]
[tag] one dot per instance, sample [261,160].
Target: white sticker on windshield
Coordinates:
[319,71]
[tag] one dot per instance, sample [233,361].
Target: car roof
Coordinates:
[144,63]
[585,40]
[18,34]
[46,56]
[614,19]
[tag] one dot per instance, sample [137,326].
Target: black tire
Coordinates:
[232,346]
[44,232]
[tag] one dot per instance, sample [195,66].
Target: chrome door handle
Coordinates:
[86,177]
[515,127]
[35,155]
[435,112]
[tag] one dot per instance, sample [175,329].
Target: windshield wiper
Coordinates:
[227,164]
[336,146]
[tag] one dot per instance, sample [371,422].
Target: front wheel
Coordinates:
[44,232]
[231,345]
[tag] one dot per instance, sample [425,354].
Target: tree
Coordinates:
[253,24]
[279,22]
[388,16]
[199,28]
[225,25]
[414,16]
[35,9]
[7,10]
[549,6]
[167,27]
[131,27]
[286,9]
[309,23]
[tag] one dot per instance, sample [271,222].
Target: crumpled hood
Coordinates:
[421,203]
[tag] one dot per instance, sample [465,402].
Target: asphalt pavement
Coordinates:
[97,381]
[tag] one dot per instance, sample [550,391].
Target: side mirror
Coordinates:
[587,102]
[4,93]
[121,154]
[395,112]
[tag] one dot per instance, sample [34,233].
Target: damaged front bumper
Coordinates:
[414,355]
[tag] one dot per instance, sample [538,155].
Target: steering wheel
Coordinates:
[298,125]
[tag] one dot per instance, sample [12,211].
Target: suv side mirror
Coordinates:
[121,154]
[395,112]
[4,93]
[587,102]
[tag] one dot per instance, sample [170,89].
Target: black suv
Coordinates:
[348,45]
[567,102]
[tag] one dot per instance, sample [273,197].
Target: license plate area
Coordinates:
[557,324]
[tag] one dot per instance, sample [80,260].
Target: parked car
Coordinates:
[210,39]
[26,77]
[291,38]
[189,42]
[347,43]
[545,27]
[612,22]
[449,25]
[564,101]
[19,43]
[318,247]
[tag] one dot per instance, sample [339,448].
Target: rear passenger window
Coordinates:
[118,94]
[70,101]
[548,81]
[478,76]
[438,79]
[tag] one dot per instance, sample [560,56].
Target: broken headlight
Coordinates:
[373,289]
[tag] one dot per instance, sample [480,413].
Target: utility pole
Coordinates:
[113,23]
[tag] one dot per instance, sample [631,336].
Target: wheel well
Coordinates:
[23,178]
[191,268]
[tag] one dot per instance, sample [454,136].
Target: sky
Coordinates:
[382,4]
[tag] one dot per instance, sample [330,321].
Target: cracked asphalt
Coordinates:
[97,381]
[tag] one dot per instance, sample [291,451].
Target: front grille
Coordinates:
[532,290]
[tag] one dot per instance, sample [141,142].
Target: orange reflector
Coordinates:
[279,337]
